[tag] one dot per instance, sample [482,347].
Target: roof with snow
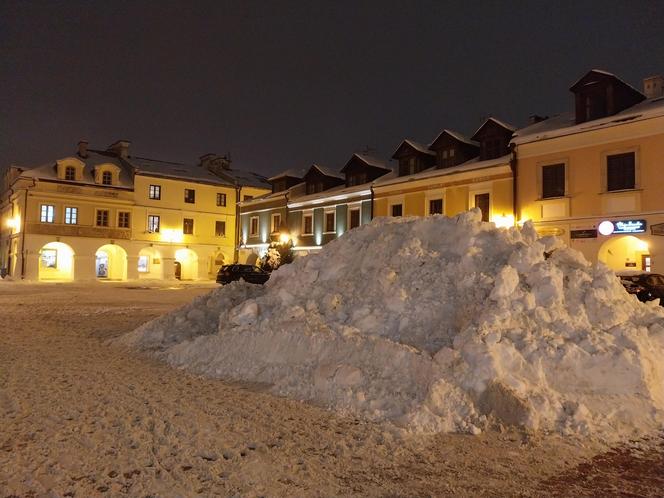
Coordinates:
[423,149]
[565,123]
[327,171]
[583,80]
[339,191]
[369,161]
[457,136]
[292,172]
[500,123]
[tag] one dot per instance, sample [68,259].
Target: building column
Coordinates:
[84,267]
[31,265]
[132,267]
[168,262]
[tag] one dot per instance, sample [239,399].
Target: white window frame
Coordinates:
[307,214]
[221,196]
[48,215]
[157,189]
[251,226]
[158,217]
[74,211]
[334,223]
[108,218]
[128,218]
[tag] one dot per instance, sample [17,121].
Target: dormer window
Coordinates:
[70,173]
[107,178]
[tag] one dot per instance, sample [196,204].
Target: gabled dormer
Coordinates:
[107,174]
[361,168]
[599,94]
[320,178]
[494,137]
[70,169]
[285,180]
[413,157]
[453,148]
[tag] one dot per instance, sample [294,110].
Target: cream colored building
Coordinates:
[595,176]
[104,214]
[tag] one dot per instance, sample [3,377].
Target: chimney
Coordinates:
[536,118]
[653,87]
[120,148]
[83,148]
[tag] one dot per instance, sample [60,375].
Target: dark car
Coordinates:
[646,286]
[248,273]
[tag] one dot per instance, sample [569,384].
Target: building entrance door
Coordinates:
[178,270]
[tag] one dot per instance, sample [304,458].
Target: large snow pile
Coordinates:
[436,324]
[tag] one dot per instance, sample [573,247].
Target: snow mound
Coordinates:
[436,324]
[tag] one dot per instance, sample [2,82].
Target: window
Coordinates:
[253,226]
[221,199]
[482,202]
[308,224]
[354,218]
[70,173]
[102,217]
[188,226]
[330,221]
[49,258]
[397,210]
[189,195]
[107,178]
[123,219]
[153,223]
[315,187]
[155,192]
[71,215]
[451,152]
[553,181]
[620,172]
[357,179]
[220,228]
[276,222]
[143,264]
[47,214]
[436,206]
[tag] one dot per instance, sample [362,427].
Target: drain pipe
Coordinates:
[236,252]
[24,220]
[513,167]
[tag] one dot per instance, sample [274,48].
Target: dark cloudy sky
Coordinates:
[286,84]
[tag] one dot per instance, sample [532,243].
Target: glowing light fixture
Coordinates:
[14,223]
[606,227]
[504,221]
[284,238]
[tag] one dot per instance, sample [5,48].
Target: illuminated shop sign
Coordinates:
[622,226]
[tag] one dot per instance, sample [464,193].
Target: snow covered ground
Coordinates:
[81,418]
[436,324]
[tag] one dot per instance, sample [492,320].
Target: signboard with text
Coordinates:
[622,227]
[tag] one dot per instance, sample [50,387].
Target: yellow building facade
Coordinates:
[106,215]
[598,183]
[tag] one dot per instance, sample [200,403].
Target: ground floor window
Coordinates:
[49,258]
[307,224]
[482,201]
[354,220]
[436,206]
[397,209]
[143,264]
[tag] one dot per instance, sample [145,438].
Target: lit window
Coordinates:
[188,226]
[70,173]
[220,229]
[71,215]
[143,264]
[107,178]
[102,217]
[123,219]
[47,214]
[153,223]
[155,192]
[189,196]
[221,199]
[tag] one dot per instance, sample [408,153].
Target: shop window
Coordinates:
[49,258]
[143,264]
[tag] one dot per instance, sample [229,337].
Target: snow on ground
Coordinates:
[436,324]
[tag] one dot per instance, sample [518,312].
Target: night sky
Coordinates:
[286,84]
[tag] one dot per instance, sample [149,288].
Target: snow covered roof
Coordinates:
[292,172]
[369,161]
[565,123]
[604,73]
[327,171]
[507,126]
[471,165]
[95,158]
[457,136]
[166,169]
[414,145]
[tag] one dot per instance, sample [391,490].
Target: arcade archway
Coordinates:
[625,253]
[111,262]
[56,262]
[186,264]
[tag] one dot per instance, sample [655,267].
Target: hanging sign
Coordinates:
[622,226]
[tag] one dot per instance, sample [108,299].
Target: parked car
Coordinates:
[248,273]
[646,286]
